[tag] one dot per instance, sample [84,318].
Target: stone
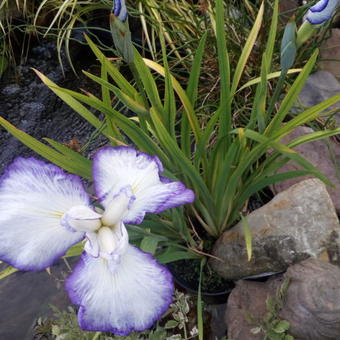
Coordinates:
[330,53]
[246,308]
[324,155]
[26,296]
[311,304]
[287,8]
[320,86]
[296,224]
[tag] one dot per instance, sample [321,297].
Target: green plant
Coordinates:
[271,325]
[175,325]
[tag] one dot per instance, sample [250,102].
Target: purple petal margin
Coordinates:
[118,331]
[34,166]
[319,6]
[53,170]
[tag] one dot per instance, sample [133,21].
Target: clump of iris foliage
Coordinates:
[223,160]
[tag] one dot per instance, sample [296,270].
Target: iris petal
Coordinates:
[131,299]
[33,197]
[321,11]
[319,6]
[115,168]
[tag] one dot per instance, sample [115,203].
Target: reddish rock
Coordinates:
[311,305]
[246,302]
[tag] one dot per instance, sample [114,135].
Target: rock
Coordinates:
[320,86]
[217,329]
[298,223]
[11,90]
[325,156]
[330,53]
[26,296]
[311,304]
[246,308]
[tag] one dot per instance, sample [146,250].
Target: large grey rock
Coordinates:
[311,304]
[298,223]
[324,155]
[320,86]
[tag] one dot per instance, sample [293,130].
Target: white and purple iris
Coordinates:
[321,11]
[44,211]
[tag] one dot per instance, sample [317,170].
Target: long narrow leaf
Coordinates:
[169,100]
[196,71]
[183,97]
[73,156]
[45,151]
[6,272]
[74,104]
[269,76]
[247,236]
[305,117]
[247,49]
[288,152]
[131,103]
[149,83]
[292,95]
[138,136]
[224,69]
[183,162]
[120,80]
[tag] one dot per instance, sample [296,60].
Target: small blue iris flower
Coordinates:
[44,211]
[119,10]
[321,11]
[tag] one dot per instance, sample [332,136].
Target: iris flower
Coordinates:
[321,11]
[44,211]
[120,31]
[119,10]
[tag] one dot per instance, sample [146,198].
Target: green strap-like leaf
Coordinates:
[120,80]
[247,49]
[6,272]
[196,71]
[73,103]
[47,152]
[291,96]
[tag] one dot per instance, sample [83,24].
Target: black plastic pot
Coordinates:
[214,294]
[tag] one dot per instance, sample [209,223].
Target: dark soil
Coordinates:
[187,272]
[29,105]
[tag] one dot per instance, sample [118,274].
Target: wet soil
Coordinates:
[30,106]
